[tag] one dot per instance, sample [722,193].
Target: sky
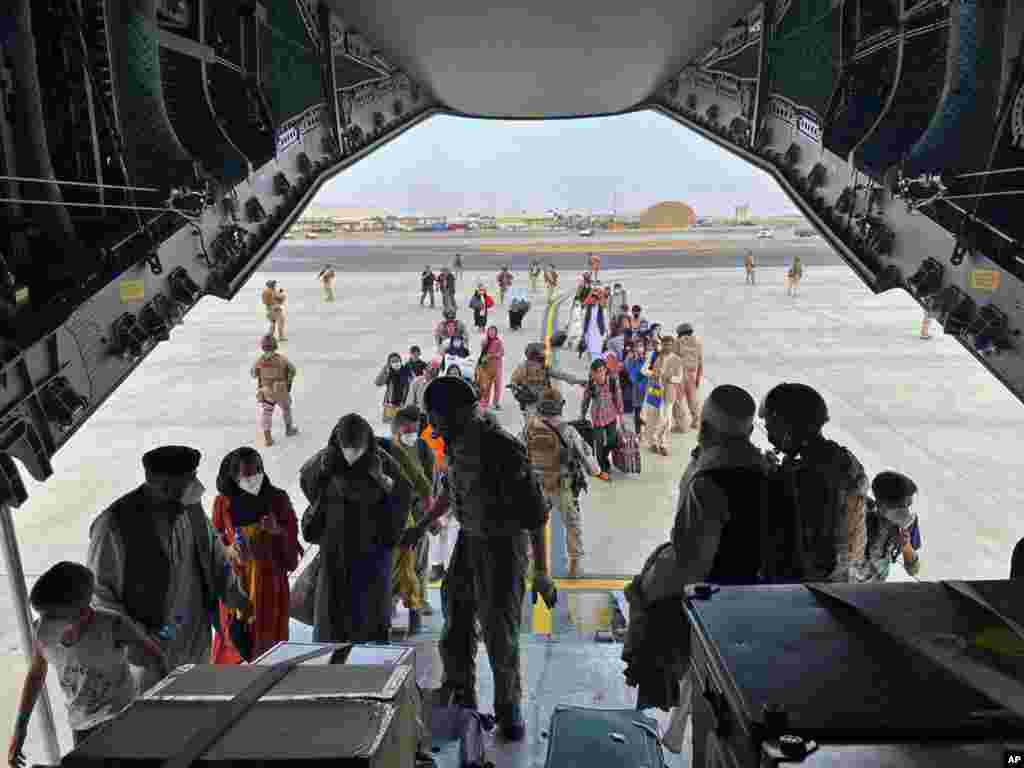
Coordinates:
[450,165]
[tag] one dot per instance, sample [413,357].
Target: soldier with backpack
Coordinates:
[564,460]
[499,504]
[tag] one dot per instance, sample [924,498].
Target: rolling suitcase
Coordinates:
[626,456]
[596,738]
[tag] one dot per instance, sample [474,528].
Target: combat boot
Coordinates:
[267,439]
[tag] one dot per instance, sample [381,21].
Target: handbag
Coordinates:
[302,595]
[302,598]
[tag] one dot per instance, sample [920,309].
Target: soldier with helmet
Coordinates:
[274,375]
[564,460]
[690,350]
[498,501]
[823,537]
[533,376]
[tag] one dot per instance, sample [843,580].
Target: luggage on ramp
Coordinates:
[602,738]
[626,456]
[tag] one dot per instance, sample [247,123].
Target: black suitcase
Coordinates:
[585,737]
[842,675]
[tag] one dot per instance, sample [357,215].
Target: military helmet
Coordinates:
[551,403]
[535,351]
[449,393]
[795,404]
[684,329]
[449,314]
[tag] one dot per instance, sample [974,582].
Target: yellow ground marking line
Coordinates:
[607,247]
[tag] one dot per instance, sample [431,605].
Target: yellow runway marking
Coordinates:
[690,246]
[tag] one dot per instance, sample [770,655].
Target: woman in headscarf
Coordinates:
[257,524]
[489,369]
[396,379]
[480,303]
[358,524]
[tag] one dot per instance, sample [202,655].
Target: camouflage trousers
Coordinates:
[486,581]
[568,505]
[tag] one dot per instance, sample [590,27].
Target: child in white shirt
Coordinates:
[87,648]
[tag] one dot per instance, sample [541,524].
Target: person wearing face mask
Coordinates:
[159,562]
[498,500]
[86,647]
[893,529]
[274,374]
[257,526]
[396,379]
[364,506]
[822,532]
[417,460]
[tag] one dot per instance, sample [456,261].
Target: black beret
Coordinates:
[892,486]
[172,460]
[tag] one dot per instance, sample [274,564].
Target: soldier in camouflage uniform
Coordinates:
[821,535]
[501,508]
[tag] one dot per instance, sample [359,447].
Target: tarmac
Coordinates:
[925,408]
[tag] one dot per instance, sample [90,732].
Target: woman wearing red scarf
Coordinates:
[257,525]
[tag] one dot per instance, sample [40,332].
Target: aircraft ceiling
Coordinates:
[537,58]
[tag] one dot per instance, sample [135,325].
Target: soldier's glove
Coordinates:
[545,588]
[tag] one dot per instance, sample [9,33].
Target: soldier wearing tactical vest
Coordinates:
[558,452]
[534,375]
[274,299]
[274,375]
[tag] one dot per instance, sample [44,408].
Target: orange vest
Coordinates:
[436,444]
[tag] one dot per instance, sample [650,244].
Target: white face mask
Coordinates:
[194,494]
[395,366]
[408,439]
[352,455]
[251,484]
